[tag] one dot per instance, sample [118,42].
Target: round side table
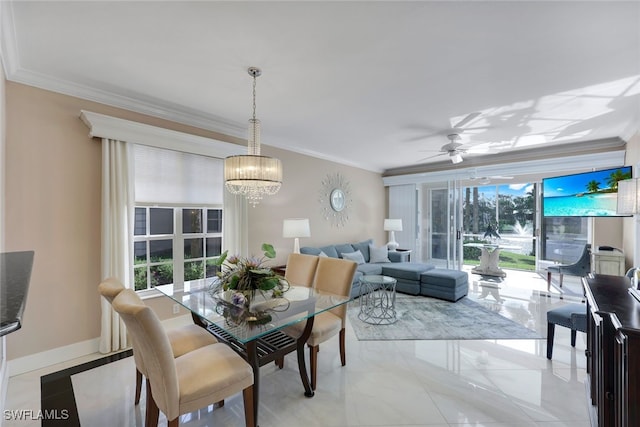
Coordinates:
[377,300]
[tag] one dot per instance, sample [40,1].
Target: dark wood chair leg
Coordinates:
[138,386]
[174,422]
[280,362]
[551,328]
[343,353]
[548,281]
[313,362]
[153,413]
[249,416]
[573,337]
[561,276]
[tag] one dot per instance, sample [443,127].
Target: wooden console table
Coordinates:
[613,351]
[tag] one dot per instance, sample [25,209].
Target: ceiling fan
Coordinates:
[454,149]
[483,180]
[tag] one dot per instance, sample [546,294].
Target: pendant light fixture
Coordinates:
[252,175]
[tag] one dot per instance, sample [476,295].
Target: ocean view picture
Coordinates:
[585,194]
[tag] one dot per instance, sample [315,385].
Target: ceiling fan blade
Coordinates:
[466,120]
[430,157]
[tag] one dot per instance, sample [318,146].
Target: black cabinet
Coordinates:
[613,351]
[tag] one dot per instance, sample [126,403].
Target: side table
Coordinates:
[377,300]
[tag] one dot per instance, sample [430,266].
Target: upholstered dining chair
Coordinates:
[182,339]
[178,385]
[301,269]
[580,268]
[333,275]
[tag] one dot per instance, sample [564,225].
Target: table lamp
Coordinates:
[392,225]
[296,228]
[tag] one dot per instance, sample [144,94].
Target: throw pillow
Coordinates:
[354,256]
[380,254]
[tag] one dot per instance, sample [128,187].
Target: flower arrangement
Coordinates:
[246,276]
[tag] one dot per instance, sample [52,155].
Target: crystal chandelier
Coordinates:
[253,175]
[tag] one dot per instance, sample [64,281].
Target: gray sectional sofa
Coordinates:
[412,277]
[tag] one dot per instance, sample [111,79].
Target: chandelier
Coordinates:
[252,175]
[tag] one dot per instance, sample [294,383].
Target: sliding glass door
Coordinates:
[441,221]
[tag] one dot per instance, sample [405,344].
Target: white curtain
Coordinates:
[117,234]
[235,222]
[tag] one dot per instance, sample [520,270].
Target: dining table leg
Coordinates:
[301,342]
[252,358]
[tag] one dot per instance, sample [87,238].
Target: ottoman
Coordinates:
[450,285]
[407,275]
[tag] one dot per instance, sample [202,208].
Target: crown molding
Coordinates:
[144,105]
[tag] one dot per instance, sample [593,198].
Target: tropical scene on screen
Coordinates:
[585,194]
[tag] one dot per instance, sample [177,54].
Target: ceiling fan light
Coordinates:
[455,158]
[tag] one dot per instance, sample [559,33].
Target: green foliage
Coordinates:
[193,270]
[248,274]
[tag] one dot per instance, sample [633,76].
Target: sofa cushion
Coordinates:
[369,268]
[308,250]
[343,248]
[353,256]
[444,277]
[380,254]
[405,270]
[364,248]
[330,251]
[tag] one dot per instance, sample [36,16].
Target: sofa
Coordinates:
[411,277]
[375,260]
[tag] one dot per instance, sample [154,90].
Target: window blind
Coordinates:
[176,178]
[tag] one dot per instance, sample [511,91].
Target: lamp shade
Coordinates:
[628,197]
[392,225]
[296,227]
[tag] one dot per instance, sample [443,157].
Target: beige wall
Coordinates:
[53,207]
[2,179]
[300,198]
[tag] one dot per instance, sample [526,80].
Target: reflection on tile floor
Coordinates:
[497,383]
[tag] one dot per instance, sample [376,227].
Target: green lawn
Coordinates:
[510,260]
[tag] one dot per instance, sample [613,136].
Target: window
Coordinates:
[178,216]
[173,244]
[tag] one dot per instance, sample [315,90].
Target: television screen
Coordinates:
[583,194]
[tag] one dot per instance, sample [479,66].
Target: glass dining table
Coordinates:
[256,332]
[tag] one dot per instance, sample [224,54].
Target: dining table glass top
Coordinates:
[265,313]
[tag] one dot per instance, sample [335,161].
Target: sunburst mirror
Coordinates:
[335,198]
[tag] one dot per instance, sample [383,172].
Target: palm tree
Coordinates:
[618,175]
[593,186]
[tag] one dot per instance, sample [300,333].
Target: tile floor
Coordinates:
[497,383]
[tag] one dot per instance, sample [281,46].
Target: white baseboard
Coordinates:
[64,354]
[51,357]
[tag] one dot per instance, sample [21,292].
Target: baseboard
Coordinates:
[43,359]
[73,351]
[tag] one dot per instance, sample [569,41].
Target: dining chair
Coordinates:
[182,339]
[183,384]
[335,276]
[301,269]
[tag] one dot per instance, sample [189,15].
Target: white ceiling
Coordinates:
[370,84]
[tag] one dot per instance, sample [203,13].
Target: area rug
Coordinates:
[423,318]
